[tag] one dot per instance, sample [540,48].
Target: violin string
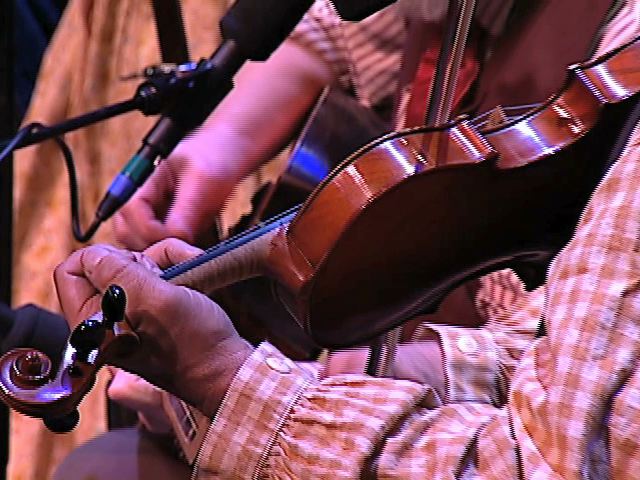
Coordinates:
[481,120]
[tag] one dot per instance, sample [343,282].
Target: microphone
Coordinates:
[251,30]
[355,10]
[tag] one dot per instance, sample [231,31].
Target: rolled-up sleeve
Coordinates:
[470,364]
[320,32]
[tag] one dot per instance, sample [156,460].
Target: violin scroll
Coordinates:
[29,384]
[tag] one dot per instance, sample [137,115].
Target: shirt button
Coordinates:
[278,364]
[467,344]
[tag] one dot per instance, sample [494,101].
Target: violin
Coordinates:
[336,126]
[392,229]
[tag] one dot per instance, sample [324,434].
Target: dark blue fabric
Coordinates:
[34,23]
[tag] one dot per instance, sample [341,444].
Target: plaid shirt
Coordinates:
[563,406]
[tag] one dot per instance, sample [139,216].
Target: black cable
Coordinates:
[73,194]
[14,142]
[73,181]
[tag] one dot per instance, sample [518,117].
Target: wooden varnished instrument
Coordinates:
[506,197]
[336,126]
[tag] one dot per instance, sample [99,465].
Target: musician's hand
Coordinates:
[419,361]
[188,345]
[181,199]
[251,125]
[135,393]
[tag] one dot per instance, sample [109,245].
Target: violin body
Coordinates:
[411,216]
[336,126]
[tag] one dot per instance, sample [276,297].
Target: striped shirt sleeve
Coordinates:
[365,56]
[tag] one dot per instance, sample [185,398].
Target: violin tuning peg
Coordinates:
[63,424]
[114,302]
[87,336]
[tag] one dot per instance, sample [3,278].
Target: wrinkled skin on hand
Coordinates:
[188,345]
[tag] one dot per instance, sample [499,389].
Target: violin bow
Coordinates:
[439,107]
[456,36]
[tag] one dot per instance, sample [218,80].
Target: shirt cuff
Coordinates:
[470,363]
[246,425]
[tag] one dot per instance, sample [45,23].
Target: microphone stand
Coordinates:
[152,97]
[188,91]
[251,30]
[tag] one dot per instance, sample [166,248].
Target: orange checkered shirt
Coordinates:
[563,406]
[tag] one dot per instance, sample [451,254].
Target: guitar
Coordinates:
[336,126]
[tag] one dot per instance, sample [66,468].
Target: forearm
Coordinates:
[420,362]
[257,119]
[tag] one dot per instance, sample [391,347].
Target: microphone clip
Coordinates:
[166,81]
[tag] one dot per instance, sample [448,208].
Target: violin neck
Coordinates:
[236,259]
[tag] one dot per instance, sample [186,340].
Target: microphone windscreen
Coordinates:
[259,26]
[355,10]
